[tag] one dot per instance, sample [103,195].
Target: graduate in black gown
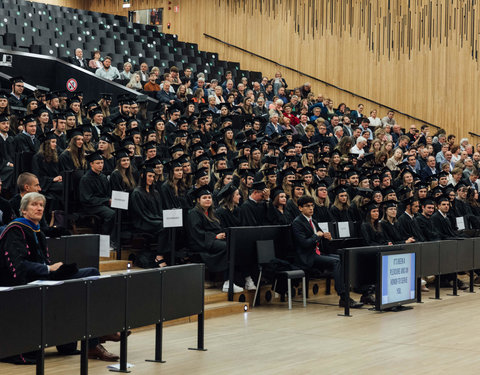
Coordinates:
[253,212]
[276,214]
[321,212]
[122,178]
[407,226]
[27,141]
[291,209]
[105,145]
[96,194]
[340,209]
[207,237]
[390,225]
[73,158]
[46,167]
[371,229]
[147,215]
[173,190]
[7,152]
[227,211]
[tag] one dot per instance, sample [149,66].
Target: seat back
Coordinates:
[265,251]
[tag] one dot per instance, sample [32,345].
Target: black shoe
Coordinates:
[461,285]
[368,299]
[353,304]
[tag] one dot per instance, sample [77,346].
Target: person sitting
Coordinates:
[309,242]
[291,209]
[253,212]
[389,224]
[108,71]
[407,226]
[227,212]
[152,84]
[276,213]
[95,193]
[122,178]
[340,209]
[146,205]
[25,258]
[206,236]
[27,141]
[371,229]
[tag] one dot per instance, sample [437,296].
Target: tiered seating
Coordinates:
[58,31]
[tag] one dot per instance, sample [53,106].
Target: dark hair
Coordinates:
[304,200]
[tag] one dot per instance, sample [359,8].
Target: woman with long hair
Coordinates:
[276,214]
[340,209]
[43,119]
[288,177]
[255,158]
[5,106]
[291,209]
[371,229]
[135,82]
[396,159]
[389,224]
[75,106]
[334,165]
[229,140]
[270,178]
[225,176]
[344,146]
[321,212]
[227,211]
[46,167]
[73,158]
[147,212]
[207,237]
[122,178]
[105,145]
[32,105]
[173,189]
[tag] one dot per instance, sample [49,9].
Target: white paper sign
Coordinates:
[119,200]
[172,218]
[460,223]
[343,229]
[323,227]
[104,245]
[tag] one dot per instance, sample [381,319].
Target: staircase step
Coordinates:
[214,310]
[113,265]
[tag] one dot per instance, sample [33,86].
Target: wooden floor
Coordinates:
[436,337]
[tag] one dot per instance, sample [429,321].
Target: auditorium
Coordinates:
[239,186]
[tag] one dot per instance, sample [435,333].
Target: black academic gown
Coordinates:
[322,214]
[391,232]
[253,213]
[116,182]
[275,217]
[147,210]
[6,212]
[408,227]
[201,239]
[94,190]
[170,200]
[24,143]
[337,215]
[291,211]
[443,226]
[7,155]
[108,166]
[427,228]
[24,256]
[46,172]
[228,218]
[371,236]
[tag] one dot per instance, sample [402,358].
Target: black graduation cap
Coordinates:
[132,131]
[402,165]
[364,192]
[220,156]
[433,177]
[106,96]
[227,190]
[225,172]
[201,158]
[275,192]
[196,147]
[181,121]
[174,148]
[460,185]
[389,203]
[321,164]
[402,190]
[121,153]
[38,112]
[371,206]
[196,135]
[74,132]
[426,201]
[106,137]
[306,170]
[45,136]
[269,172]
[61,94]
[123,99]
[147,131]
[119,119]
[201,172]
[4,94]
[239,160]
[51,95]
[59,116]
[421,185]
[96,155]
[87,128]
[272,160]
[149,145]
[127,141]
[259,185]
[362,177]
[244,173]
[387,190]
[171,165]
[181,133]
[142,98]
[197,193]
[4,117]
[18,79]
[442,198]
[226,129]
[298,183]
[442,174]
[29,99]
[73,99]
[340,189]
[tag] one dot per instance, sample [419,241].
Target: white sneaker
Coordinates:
[249,284]
[236,288]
